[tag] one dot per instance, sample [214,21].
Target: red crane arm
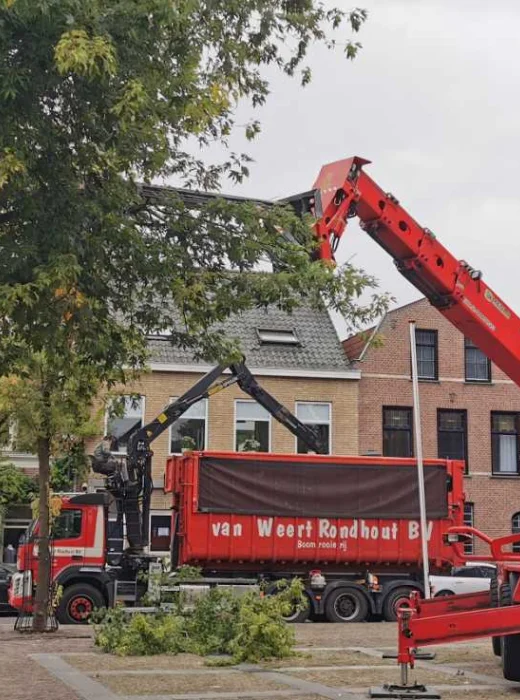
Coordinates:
[451,285]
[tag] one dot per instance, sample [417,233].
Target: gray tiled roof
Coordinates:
[319,348]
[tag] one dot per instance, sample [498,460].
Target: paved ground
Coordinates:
[334,661]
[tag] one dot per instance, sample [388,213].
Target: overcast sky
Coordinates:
[433,101]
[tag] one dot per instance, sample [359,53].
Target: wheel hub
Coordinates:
[80,608]
[346,606]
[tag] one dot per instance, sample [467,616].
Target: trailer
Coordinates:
[347,526]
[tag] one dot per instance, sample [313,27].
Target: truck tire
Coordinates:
[494,600]
[398,598]
[510,643]
[77,602]
[346,605]
[511,657]
[302,614]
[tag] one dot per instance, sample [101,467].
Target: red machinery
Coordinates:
[347,526]
[459,293]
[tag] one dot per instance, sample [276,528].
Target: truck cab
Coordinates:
[78,550]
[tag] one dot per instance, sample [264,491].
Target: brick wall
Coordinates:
[386,381]
[158,387]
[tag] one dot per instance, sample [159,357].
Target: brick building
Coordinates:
[298,358]
[469,409]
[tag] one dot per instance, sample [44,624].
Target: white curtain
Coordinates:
[507,453]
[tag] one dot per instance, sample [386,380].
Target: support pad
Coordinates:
[404,691]
[419,655]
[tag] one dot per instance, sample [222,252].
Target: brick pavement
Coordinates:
[63,666]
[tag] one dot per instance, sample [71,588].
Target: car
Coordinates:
[470,578]
[6,571]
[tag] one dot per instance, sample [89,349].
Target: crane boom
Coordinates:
[451,285]
[131,482]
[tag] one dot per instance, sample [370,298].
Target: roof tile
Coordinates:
[319,348]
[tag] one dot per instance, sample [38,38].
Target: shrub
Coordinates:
[261,630]
[109,626]
[117,632]
[247,628]
[146,635]
[212,625]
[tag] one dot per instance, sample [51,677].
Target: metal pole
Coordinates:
[420,466]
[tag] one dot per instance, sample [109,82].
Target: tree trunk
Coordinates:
[44,561]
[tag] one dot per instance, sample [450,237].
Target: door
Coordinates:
[68,539]
[470,579]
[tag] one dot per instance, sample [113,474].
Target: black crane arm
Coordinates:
[131,482]
[247,382]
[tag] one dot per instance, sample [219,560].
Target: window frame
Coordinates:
[412,444]
[515,530]
[164,514]
[291,339]
[73,537]
[496,472]
[269,421]
[329,423]
[469,546]
[206,426]
[464,412]
[143,421]
[435,333]
[474,380]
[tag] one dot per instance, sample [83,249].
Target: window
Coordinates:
[252,422]
[397,432]
[160,533]
[131,418]
[504,443]
[426,344]
[477,366]
[192,424]
[14,438]
[473,571]
[469,520]
[287,337]
[317,415]
[515,530]
[67,525]
[452,435]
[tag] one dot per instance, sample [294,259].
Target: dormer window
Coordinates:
[277,337]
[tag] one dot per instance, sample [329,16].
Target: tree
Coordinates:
[15,486]
[93,98]
[44,396]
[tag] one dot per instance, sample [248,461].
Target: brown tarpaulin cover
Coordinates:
[324,489]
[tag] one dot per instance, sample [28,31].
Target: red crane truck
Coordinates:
[347,526]
[458,291]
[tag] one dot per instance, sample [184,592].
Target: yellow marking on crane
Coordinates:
[162,417]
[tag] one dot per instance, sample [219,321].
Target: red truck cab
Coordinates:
[78,552]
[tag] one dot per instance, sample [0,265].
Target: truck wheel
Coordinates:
[398,598]
[77,603]
[511,657]
[510,642]
[300,614]
[494,600]
[346,605]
